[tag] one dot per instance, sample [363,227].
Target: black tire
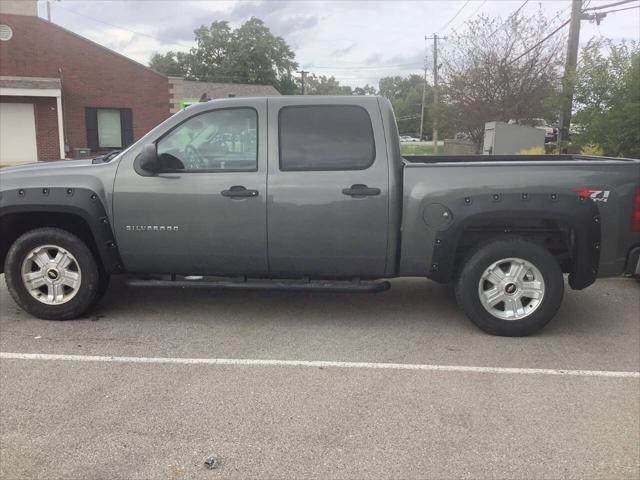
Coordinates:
[90,283]
[103,285]
[485,255]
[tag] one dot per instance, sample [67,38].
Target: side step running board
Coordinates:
[260,284]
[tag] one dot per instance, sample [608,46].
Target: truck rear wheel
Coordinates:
[510,287]
[52,274]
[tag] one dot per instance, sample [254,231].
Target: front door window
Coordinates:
[219,140]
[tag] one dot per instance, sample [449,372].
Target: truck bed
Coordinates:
[447,180]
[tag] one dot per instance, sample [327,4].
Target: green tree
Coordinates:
[501,70]
[405,94]
[366,90]
[323,85]
[247,54]
[171,63]
[607,98]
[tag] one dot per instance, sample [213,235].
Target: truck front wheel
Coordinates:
[52,274]
[510,287]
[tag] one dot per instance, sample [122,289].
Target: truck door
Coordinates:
[328,188]
[205,211]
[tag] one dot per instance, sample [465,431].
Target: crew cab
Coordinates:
[312,193]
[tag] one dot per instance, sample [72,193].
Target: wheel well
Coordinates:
[15,224]
[553,235]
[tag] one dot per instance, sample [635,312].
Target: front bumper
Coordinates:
[633,262]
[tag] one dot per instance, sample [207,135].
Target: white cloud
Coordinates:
[356,41]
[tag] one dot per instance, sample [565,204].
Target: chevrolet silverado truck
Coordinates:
[312,193]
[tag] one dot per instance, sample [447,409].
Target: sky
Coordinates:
[358,42]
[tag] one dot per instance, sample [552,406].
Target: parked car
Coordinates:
[311,193]
[408,139]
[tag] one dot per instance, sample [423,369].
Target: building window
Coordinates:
[108,128]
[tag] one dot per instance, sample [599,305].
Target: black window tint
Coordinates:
[325,137]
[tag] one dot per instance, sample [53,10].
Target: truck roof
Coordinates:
[308,99]
[294,99]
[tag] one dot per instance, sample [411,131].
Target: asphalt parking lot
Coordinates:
[99,412]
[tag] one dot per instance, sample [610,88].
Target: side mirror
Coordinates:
[146,163]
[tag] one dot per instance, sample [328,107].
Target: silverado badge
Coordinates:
[152,228]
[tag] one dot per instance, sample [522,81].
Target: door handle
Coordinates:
[238,191]
[359,190]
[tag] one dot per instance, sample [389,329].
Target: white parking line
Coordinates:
[316,364]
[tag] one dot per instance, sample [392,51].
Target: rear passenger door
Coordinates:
[328,199]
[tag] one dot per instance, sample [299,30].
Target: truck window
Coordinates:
[325,137]
[219,140]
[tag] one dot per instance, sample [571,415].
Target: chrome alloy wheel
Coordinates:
[51,274]
[511,289]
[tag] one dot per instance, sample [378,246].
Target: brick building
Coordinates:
[60,92]
[185,92]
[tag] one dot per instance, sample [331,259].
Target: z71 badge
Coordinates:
[595,195]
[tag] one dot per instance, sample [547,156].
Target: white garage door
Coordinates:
[17,133]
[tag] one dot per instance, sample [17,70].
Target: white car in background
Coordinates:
[407,138]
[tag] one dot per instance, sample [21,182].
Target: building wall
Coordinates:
[91,75]
[46,116]
[176,93]
[181,89]
[19,7]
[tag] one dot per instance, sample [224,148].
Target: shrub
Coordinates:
[532,151]
[592,150]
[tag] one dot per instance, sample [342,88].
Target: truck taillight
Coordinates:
[635,223]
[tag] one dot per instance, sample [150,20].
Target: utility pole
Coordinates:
[435,94]
[303,74]
[424,93]
[568,82]
[49,9]
[436,67]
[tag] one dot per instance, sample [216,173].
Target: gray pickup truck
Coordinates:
[312,193]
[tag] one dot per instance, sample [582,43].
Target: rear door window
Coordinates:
[325,137]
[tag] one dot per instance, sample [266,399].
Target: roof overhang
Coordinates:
[30,87]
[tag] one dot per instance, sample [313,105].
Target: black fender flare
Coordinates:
[82,202]
[579,213]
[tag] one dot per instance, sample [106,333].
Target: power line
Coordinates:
[475,11]
[560,13]
[478,9]
[122,28]
[519,8]
[599,16]
[617,10]
[366,67]
[455,16]
[509,17]
[615,4]
[540,42]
